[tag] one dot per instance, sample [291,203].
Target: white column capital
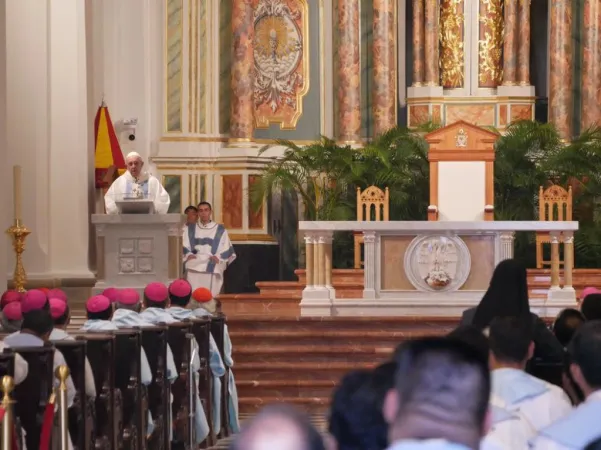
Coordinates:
[568,237]
[369,237]
[555,237]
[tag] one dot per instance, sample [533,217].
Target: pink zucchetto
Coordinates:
[588,291]
[57,307]
[9,297]
[12,311]
[156,292]
[111,293]
[97,304]
[58,294]
[128,296]
[180,288]
[32,300]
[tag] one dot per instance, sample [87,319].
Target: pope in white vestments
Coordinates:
[207,251]
[136,184]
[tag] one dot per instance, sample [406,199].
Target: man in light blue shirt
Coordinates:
[440,399]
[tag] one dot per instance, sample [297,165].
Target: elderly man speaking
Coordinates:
[136,184]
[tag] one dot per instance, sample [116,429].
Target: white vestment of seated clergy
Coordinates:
[574,431]
[146,186]
[201,241]
[21,366]
[509,430]
[426,444]
[538,402]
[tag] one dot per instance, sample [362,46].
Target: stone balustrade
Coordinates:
[396,254]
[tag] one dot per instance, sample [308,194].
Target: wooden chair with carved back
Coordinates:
[372,202]
[554,205]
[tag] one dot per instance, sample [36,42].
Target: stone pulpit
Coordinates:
[133,250]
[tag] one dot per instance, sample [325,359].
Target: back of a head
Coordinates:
[595,445]
[39,321]
[585,351]
[507,294]
[280,427]
[442,380]
[567,323]
[591,307]
[472,336]
[509,339]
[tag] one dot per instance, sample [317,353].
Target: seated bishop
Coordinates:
[136,184]
[10,317]
[207,251]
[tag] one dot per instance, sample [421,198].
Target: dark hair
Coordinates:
[39,321]
[472,336]
[101,315]
[509,339]
[444,380]
[356,420]
[507,295]
[190,208]
[591,307]
[585,351]
[204,203]
[595,445]
[151,304]
[566,324]
[180,301]
[62,320]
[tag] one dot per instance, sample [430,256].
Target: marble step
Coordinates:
[314,405]
[286,388]
[311,353]
[331,371]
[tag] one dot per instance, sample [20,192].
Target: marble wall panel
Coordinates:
[255,218]
[482,251]
[502,115]
[437,114]
[174,61]
[482,115]
[521,112]
[419,114]
[393,276]
[231,201]
[225,64]
[173,186]
[201,39]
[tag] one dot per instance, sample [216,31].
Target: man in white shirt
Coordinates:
[582,425]
[136,184]
[207,251]
[538,402]
[440,399]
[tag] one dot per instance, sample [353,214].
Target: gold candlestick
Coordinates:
[19,232]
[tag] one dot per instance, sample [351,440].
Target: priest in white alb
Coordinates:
[207,251]
[136,184]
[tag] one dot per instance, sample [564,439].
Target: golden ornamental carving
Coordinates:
[490,49]
[451,43]
[281,54]
[461,138]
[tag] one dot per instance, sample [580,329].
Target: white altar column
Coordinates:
[5,202]
[505,250]
[369,272]
[319,292]
[47,133]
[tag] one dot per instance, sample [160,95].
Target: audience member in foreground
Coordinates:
[591,306]
[567,323]
[440,398]
[538,402]
[356,421]
[278,427]
[581,426]
[507,296]
[472,336]
[585,292]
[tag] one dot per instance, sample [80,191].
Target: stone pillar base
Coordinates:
[424,91]
[316,302]
[515,91]
[565,295]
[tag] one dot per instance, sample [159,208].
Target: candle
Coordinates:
[17,192]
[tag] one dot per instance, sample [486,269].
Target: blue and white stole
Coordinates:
[143,184]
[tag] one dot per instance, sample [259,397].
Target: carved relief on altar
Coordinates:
[281,52]
[437,263]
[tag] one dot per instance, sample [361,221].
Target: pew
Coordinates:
[81,414]
[154,342]
[217,330]
[7,363]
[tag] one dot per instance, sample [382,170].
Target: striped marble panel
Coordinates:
[367,73]
[225,64]
[173,186]
[174,59]
[202,78]
[335,38]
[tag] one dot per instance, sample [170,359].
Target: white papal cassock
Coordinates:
[126,186]
[203,241]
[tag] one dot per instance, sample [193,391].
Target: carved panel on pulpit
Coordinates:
[437,262]
[281,61]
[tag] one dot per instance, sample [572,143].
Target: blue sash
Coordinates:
[215,247]
[579,428]
[144,184]
[191,236]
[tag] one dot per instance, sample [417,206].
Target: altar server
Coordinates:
[35,331]
[204,304]
[511,346]
[99,312]
[581,426]
[207,251]
[179,296]
[135,183]
[61,316]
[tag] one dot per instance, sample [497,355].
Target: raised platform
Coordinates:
[282,298]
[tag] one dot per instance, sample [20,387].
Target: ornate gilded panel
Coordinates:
[281,61]
[451,43]
[490,44]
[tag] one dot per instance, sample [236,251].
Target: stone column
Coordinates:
[418,42]
[320,263]
[309,258]
[506,240]
[568,259]
[591,65]
[432,74]
[523,78]
[5,202]
[560,67]
[328,261]
[510,48]
[349,71]
[242,109]
[369,265]
[385,67]
[554,260]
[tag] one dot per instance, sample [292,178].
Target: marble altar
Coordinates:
[429,268]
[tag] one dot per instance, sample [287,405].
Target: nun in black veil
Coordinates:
[507,296]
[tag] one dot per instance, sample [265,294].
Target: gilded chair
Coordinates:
[554,205]
[373,201]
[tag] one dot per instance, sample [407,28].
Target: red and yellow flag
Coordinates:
[107,152]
